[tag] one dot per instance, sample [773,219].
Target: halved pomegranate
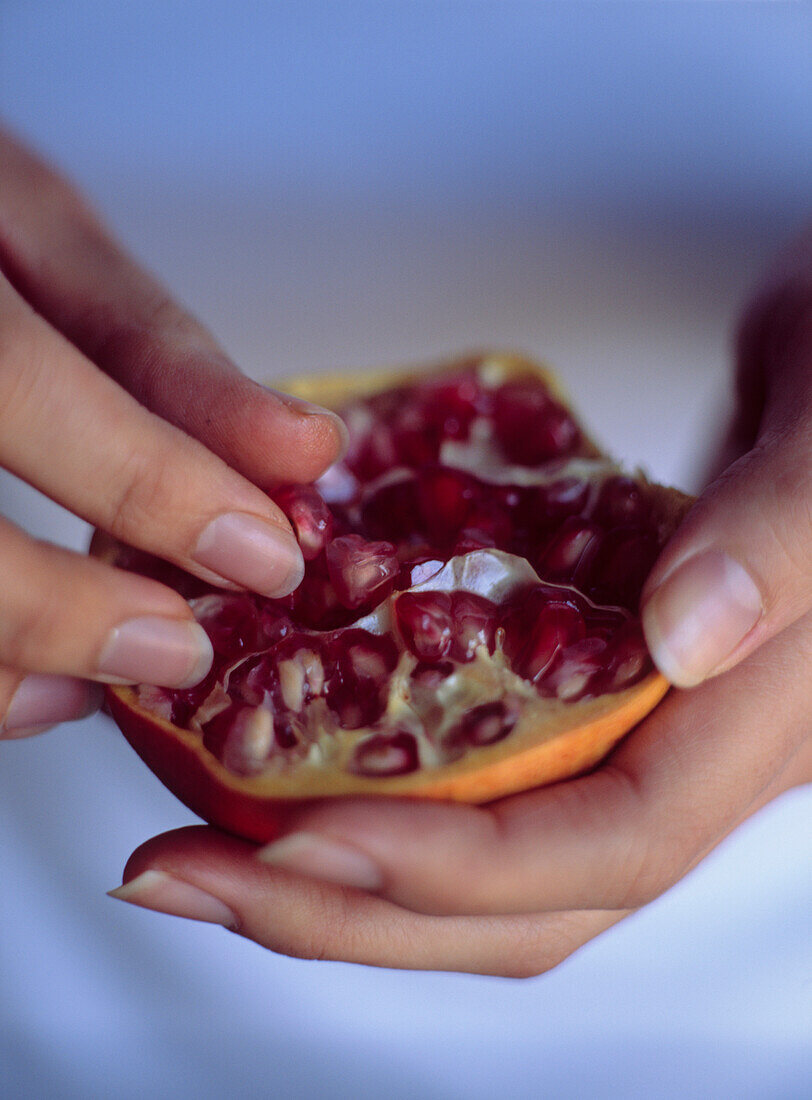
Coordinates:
[467,626]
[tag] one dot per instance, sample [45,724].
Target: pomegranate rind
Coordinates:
[551,742]
[547,745]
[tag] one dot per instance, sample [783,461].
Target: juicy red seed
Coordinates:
[361,570]
[574,674]
[357,689]
[475,620]
[309,516]
[431,675]
[445,498]
[621,501]
[627,658]
[373,453]
[231,622]
[567,497]
[453,403]
[241,738]
[557,626]
[425,621]
[484,725]
[386,754]
[393,511]
[530,426]
[571,550]
[624,562]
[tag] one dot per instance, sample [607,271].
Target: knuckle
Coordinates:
[23,367]
[140,493]
[30,629]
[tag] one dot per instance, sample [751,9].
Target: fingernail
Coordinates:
[153,650]
[698,615]
[307,408]
[315,856]
[252,553]
[165,894]
[42,701]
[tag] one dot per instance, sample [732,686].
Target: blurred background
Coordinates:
[345,184]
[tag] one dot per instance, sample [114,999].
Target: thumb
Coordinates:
[739,569]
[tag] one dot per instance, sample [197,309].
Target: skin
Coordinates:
[511,888]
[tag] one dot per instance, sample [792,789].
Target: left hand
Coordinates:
[514,887]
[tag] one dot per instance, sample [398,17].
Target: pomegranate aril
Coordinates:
[475,620]
[445,499]
[624,562]
[362,665]
[425,621]
[241,738]
[231,622]
[621,501]
[431,675]
[309,516]
[360,570]
[574,674]
[386,754]
[453,403]
[567,497]
[557,626]
[530,426]
[627,658]
[484,725]
[571,551]
[393,510]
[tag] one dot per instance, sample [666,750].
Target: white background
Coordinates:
[351,184]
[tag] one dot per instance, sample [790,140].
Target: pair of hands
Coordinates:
[120,406]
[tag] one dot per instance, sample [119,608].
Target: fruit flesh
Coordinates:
[372,669]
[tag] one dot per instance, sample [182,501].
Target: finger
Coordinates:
[204,875]
[739,569]
[73,433]
[63,613]
[614,839]
[64,262]
[33,704]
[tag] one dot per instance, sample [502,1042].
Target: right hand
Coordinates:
[118,404]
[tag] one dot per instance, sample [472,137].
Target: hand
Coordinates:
[514,887]
[120,406]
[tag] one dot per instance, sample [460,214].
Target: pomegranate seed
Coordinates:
[567,497]
[445,499]
[357,690]
[425,621]
[453,403]
[484,725]
[557,626]
[624,562]
[569,553]
[386,754]
[570,677]
[621,502]
[231,622]
[627,658]
[475,621]
[393,510]
[361,570]
[309,516]
[241,738]
[530,426]
[431,675]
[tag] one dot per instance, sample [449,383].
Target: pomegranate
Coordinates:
[468,621]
